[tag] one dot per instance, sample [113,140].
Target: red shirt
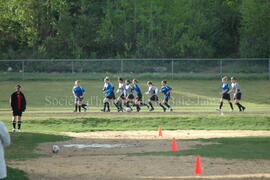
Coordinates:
[19,101]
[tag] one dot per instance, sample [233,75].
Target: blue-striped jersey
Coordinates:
[108,88]
[78,91]
[137,89]
[166,90]
[225,88]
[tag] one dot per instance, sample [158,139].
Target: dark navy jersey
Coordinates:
[225,88]
[78,91]
[137,89]
[108,88]
[166,90]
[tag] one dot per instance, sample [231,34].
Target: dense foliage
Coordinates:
[134,28]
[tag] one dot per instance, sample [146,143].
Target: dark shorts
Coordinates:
[122,96]
[78,99]
[166,98]
[238,96]
[110,96]
[17,113]
[139,98]
[226,96]
[131,96]
[154,98]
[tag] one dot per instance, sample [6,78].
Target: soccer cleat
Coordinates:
[219,110]
[18,130]
[14,130]
[102,110]
[151,109]
[243,109]
[231,110]
[164,110]
[171,109]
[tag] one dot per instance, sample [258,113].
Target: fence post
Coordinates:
[268,69]
[23,70]
[172,69]
[220,67]
[72,67]
[122,66]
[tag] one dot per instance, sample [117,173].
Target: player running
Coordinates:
[129,94]
[109,95]
[18,105]
[235,88]
[166,90]
[153,92]
[138,100]
[225,95]
[78,93]
[121,90]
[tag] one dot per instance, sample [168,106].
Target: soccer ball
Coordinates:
[128,109]
[55,149]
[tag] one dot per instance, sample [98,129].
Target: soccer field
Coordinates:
[234,151]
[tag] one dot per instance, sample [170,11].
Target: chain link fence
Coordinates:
[58,69]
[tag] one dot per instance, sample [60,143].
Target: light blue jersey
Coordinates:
[137,89]
[78,91]
[108,88]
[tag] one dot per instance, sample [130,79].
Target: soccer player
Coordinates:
[235,88]
[153,91]
[121,90]
[78,93]
[138,100]
[109,95]
[18,105]
[225,95]
[129,94]
[166,90]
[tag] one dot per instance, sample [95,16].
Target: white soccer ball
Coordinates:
[128,109]
[55,149]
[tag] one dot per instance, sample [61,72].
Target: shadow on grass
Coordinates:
[16,174]
[228,148]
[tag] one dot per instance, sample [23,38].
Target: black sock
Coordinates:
[14,124]
[116,105]
[19,124]
[162,106]
[108,106]
[104,106]
[76,107]
[239,106]
[138,107]
[231,105]
[221,104]
[80,107]
[143,104]
[120,105]
[84,106]
[151,105]
[166,104]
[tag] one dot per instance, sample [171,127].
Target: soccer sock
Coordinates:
[151,105]
[120,105]
[104,106]
[80,107]
[162,106]
[14,124]
[116,105]
[108,106]
[166,104]
[231,105]
[138,107]
[221,104]
[239,106]
[76,107]
[19,124]
[145,104]
[84,106]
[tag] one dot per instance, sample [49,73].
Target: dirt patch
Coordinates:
[115,164]
[179,134]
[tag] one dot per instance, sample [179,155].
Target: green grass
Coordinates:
[16,174]
[228,148]
[4,76]
[24,144]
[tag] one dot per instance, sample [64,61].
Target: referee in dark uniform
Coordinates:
[18,105]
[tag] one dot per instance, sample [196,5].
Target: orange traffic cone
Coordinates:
[160,131]
[174,145]
[198,167]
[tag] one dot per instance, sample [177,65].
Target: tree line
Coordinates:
[134,29]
